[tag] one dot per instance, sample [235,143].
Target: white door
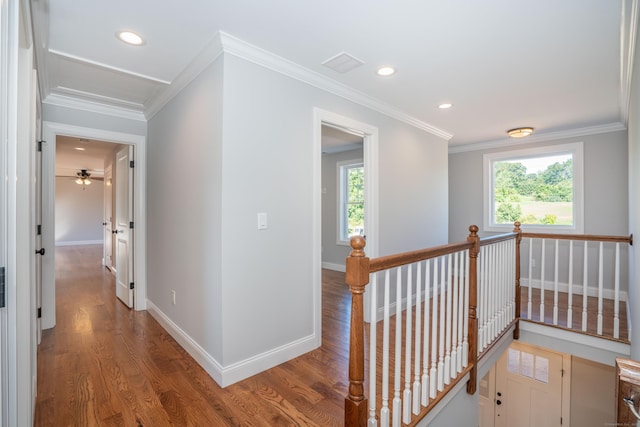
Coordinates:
[486,399]
[108,218]
[122,231]
[38,242]
[528,387]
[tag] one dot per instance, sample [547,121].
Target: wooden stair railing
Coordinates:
[627,392]
[564,273]
[443,352]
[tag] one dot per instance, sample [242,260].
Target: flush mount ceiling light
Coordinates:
[79,148]
[385,71]
[130,37]
[520,132]
[445,106]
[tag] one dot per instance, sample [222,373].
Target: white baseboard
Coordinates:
[80,243]
[592,291]
[227,375]
[335,267]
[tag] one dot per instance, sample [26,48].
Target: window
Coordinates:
[351,203]
[540,187]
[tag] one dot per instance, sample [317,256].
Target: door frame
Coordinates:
[370,151]
[51,130]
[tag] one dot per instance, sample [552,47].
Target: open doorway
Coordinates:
[342,194]
[348,135]
[134,283]
[92,203]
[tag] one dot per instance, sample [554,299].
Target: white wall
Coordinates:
[184,225]
[245,296]
[79,212]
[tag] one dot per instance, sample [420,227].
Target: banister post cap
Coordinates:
[357,246]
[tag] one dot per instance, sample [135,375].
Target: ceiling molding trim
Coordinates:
[94,107]
[207,56]
[551,136]
[628,37]
[241,49]
[94,97]
[81,60]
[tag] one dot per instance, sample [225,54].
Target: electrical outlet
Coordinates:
[173,297]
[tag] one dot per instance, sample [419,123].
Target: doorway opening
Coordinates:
[337,136]
[61,176]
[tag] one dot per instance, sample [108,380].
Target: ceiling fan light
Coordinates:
[87,181]
[79,181]
[520,132]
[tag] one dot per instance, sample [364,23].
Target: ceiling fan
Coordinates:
[84,178]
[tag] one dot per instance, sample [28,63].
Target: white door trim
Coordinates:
[370,156]
[50,131]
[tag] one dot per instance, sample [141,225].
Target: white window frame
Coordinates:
[575,149]
[342,168]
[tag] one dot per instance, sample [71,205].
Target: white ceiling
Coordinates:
[558,66]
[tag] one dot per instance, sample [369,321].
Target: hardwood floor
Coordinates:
[106,365]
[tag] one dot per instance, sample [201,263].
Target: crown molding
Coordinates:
[92,106]
[551,136]
[207,56]
[241,49]
[100,65]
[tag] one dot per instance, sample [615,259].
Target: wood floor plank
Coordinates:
[106,365]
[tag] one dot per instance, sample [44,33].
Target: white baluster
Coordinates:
[397,390]
[447,336]
[406,396]
[454,316]
[434,333]
[465,342]
[373,422]
[417,346]
[492,294]
[570,300]
[442,284]
[585,270]
[384,410]
[616,302]
[542,262]
[600,286]
[461,319]
[427,313]
[555,287]
[529,303]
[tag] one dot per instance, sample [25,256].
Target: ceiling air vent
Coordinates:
[342,63]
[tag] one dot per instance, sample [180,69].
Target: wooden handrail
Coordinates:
[581,237]
[396,260]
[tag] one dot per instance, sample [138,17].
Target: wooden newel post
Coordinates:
[516,331]
[473,306]
[357,277]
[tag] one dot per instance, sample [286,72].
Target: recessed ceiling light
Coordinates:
[520,132]
[386,71]
[445,106]
[79,148]
[130,38]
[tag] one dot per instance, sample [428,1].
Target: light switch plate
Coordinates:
[262,221]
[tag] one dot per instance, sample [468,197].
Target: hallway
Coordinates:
[106,365]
